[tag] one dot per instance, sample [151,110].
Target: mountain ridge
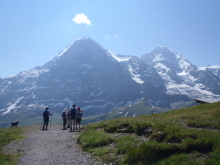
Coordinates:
[97,80]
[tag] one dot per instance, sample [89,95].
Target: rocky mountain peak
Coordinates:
[85,41]
[163,54]
[80,50]
[88,75]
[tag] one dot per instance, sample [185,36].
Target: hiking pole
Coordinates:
[41,125]
[50,121]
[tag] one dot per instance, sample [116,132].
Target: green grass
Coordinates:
[185,136]
[142,107]
[93,139]
[8,135]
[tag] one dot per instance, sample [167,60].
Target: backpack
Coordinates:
[45,114]
[73,112]
[63,115]
[79,115]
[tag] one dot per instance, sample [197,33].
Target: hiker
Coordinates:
[64,116]
[68,119]
[46,118]
[73,113]
[79,117]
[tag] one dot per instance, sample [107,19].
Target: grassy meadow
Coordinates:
[189,136]
[8,135]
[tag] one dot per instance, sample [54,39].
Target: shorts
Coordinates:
[78,120]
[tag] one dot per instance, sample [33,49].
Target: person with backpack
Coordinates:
[79,117]
[64,116]
[46,115]
[73,113]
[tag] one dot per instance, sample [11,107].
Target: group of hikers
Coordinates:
[70,118]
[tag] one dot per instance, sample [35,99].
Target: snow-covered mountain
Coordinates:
[215,69]
[181,76]
[98,81]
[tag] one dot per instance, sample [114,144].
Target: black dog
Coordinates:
[14,124]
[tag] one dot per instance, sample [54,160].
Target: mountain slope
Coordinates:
[98,81]
[181,76]
[84,74]
[185,136]
[215,69]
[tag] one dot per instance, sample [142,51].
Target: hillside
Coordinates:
[141,107]
[185,136]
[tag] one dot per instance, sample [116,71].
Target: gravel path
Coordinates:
[51,147]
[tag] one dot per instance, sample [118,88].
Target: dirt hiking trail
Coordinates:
[51,147]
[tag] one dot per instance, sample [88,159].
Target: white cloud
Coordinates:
[81,18]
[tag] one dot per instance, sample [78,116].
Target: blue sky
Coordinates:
[33,32]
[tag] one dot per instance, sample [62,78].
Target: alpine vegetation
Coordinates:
[178,137]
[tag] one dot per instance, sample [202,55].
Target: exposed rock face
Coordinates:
[97,80]
[181,76]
